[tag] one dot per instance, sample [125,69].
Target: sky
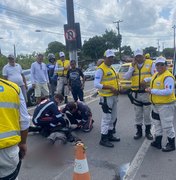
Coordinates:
[144,23]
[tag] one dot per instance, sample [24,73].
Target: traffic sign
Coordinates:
[70,35]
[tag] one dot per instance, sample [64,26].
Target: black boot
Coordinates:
[114,126]
[105,141]
[139,132]
[66,100]
[148,134]
[170,146]
[111,137]
[157,142]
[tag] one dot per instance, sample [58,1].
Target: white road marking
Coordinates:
[138,159]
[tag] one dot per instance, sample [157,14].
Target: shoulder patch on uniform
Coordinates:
[1,89]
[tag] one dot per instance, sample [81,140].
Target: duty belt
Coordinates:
[134,100]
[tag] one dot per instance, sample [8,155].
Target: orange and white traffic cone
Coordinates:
[81,169]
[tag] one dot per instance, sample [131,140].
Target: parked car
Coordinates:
[89,73]
[30,91]
[124,84]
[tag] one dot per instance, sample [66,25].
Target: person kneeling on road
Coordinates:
[47,117]
[79,116]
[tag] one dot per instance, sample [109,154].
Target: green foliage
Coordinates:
[151,50]
[168,53]
[96,46]
[126,50]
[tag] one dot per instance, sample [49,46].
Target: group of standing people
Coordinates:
[59,76]
[153,88]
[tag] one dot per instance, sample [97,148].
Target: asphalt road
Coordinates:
[104,163]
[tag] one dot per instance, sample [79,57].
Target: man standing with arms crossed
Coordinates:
[61,68]
[141,69]
[14,123]
[107,84]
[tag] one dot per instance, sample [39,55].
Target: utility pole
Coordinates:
[163,45]
[119,35]
[158,47]
[71,26]
[174,60]
[14,50]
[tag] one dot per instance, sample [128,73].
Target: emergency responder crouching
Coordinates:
[47,116]
[62,67]
[14,125]
[107,84]
[162,96]
[141,68]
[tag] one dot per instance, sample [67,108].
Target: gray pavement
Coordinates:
[104,163]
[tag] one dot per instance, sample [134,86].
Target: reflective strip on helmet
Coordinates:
[9,105]
[9,134]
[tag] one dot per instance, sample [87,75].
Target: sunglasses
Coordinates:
[160,64]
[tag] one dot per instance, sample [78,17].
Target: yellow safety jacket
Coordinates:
[109,78]
[140,74]
[64,63]
[9,114]
[157,82]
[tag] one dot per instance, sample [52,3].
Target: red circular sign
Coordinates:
[70,35]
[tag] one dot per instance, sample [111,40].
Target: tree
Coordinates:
[168,53]
[151,50]
[96,46]
[126,50]
[55,47]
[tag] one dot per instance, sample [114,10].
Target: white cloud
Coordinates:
[144,22]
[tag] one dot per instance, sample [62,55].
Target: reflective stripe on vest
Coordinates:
[9,105]
[108,79]
[9,134]
[143,73]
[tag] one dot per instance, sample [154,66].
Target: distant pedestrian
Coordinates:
[61,69]
[52,76]
[13,72]
[14,123]
[75,84]
[162,96]
[107,84]
[39,78]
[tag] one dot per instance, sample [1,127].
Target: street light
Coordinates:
[38,30]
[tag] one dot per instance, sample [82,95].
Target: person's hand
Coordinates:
[143,84]
[23,150]
[148,90]
[33,86]
[115,91]
[133,63]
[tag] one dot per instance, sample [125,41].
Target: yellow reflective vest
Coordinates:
[157,82]
[140,74]
[64,63]
[9,114]
[109,78]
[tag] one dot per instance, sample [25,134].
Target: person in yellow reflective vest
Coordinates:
[14,123]
[61,69]
[162,96]
[141,68]
[107,84]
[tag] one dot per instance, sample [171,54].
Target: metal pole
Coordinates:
[71,23]
[174,60]
[14,49]
[118,29]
